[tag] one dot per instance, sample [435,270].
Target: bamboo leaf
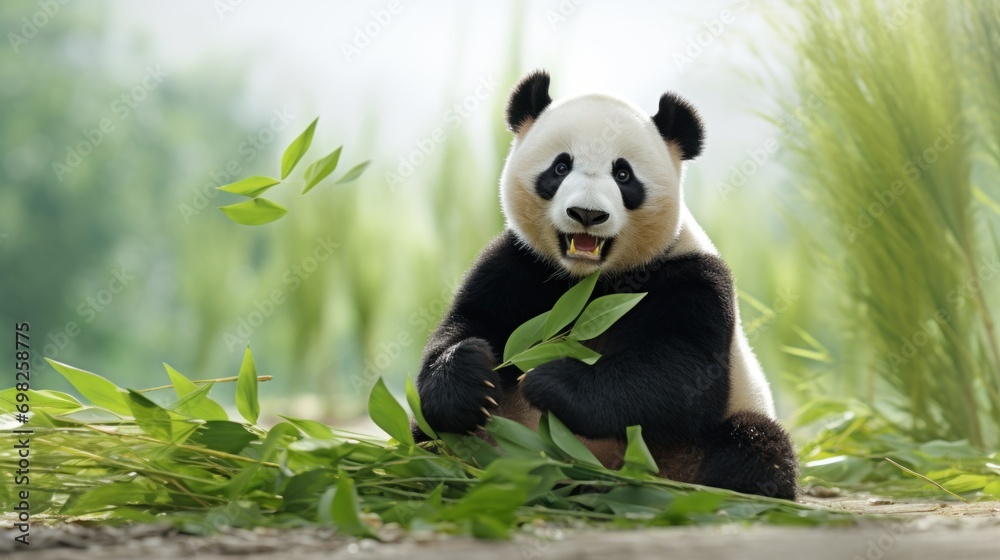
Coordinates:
[524,336]
[388,414]
[413,399]
[552,428]
[297,149]
[569,306]
[554,350]
[602,313]
[182,385]
[94,388]
[321,169]
[353,173]
[198,405]
[254,212]
[251,186]
[246,389]
[638,459]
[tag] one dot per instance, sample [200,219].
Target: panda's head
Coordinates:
[593,181]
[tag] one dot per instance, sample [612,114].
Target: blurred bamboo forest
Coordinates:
[858,94]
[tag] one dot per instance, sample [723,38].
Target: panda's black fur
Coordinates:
[665,365]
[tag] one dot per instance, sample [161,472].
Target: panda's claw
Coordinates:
[489,384]
[492,401]
[486,412]
[521,378]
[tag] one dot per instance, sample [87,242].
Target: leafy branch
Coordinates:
[258,211]
[543,339]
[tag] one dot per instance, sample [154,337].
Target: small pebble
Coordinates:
[879,502]
[823,491]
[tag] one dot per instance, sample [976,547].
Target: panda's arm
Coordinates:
[456,383]
[665,368]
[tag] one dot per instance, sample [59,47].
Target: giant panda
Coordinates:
[594,183]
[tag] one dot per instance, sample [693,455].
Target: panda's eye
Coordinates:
[622,175]
[562,168]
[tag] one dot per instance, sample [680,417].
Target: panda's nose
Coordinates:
[587,217]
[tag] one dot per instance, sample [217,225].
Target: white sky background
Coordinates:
[432,54]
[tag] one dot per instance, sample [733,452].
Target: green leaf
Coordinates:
[246,389]
[223,435]
[251,186]
[554,350]
[254,212]
[524,336]
[110,496]
[551,427]
[297,149]
[198,405]
[569,306]
[158,422]
[684,506]
[602,313]
[321,169]
[269,448]
[389,415]
[353,173]
[471,449]
[53,402]
[182,385]
[94,388]
[638,459]
[993,488]
[310,428]
[339,506]
[515,439]
[413,399]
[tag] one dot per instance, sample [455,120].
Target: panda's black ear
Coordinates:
[528,99]
[678,122]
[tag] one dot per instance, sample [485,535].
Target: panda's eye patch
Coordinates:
[548,181]
[632,189]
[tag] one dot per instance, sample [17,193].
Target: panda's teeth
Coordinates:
[572,246]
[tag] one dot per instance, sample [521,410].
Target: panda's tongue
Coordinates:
[584,242]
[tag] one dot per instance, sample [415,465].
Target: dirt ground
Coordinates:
[912,530]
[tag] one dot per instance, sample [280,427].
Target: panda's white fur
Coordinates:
[598,129]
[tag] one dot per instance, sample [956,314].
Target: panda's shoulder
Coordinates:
[696,271]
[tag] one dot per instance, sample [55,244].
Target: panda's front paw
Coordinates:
[460,389]
[551,386]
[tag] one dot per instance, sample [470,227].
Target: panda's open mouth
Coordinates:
[584,246]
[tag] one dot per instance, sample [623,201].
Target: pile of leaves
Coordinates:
[858,449]
[122,455]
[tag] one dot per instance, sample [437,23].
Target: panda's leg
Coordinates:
[753,454]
